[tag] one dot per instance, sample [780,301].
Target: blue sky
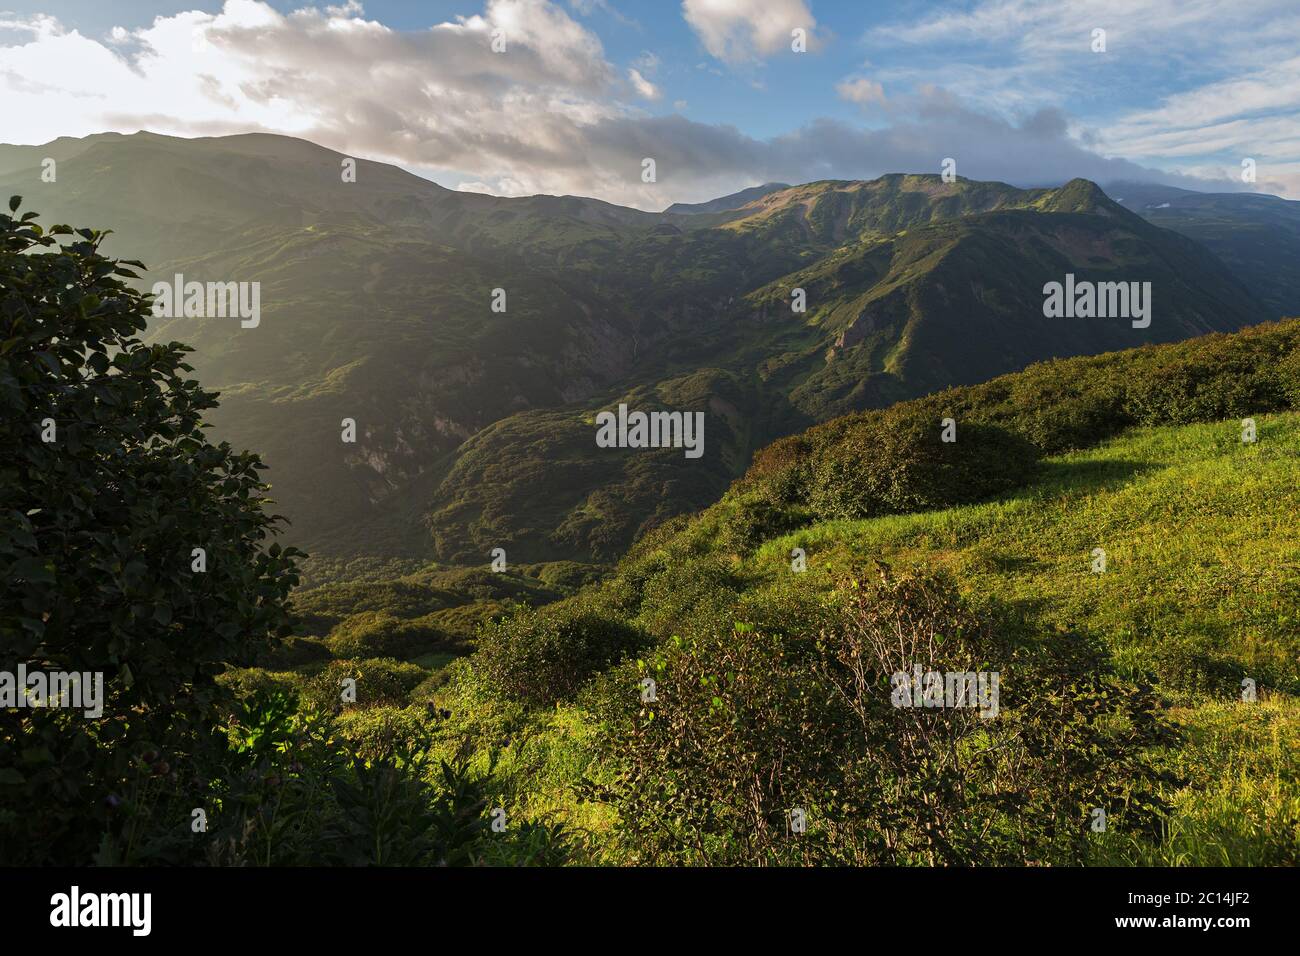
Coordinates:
[1017,90]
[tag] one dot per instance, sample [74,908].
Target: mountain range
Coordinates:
[1256,236]
[475,425]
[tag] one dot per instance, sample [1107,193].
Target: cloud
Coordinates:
[647,62]
[1189,84]
[587,7]
[742,31]
[438,97]
[546,115]
[644,87]
[696,161]
[860,90]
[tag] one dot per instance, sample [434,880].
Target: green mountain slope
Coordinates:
[1201,588]
[737,608]
[1257,237]
[376,306]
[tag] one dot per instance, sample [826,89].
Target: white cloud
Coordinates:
[437,98]
[644,87]
[1190,85]
[588,7]
[505,186]
[547,115]
[740,31]
[860,90]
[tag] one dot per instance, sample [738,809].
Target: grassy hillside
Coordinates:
[765,622]
[1202,589]
[1202,585]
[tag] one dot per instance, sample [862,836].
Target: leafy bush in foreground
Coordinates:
[754,721]
[289,789]
[109,485]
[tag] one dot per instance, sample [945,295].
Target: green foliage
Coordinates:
[96,542]
[681,590]
[542,656]
[378,634]
[295,652]
[247,681]
[436,598]
[386,816]
[751,520]
[379,682]
[895,462]
[753,720]
[1288,373]
[1075,403]
[291,789]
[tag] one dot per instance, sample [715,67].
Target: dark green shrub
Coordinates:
[294,787]
[568,575]
[1059,409]
[622,595]
[1196,664]
[1209,379]
[751,721]
[741,730]
[295,652]
[378,634]
[295,791]
[374,731]
[895,461]
[379,682]
[683,591]
[109,484]
[778,472]
[1288,377]
[248,681]
[750,521]
[541,656]
[460,624]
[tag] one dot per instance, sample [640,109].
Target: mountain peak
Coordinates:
[1079,195]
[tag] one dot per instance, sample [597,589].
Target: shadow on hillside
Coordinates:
[1011,563]
[1066,477]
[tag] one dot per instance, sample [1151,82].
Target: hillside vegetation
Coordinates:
[1127,689]
[1104,545]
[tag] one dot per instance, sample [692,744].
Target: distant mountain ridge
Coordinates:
[727,203]
[475,427]
[1257,236]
